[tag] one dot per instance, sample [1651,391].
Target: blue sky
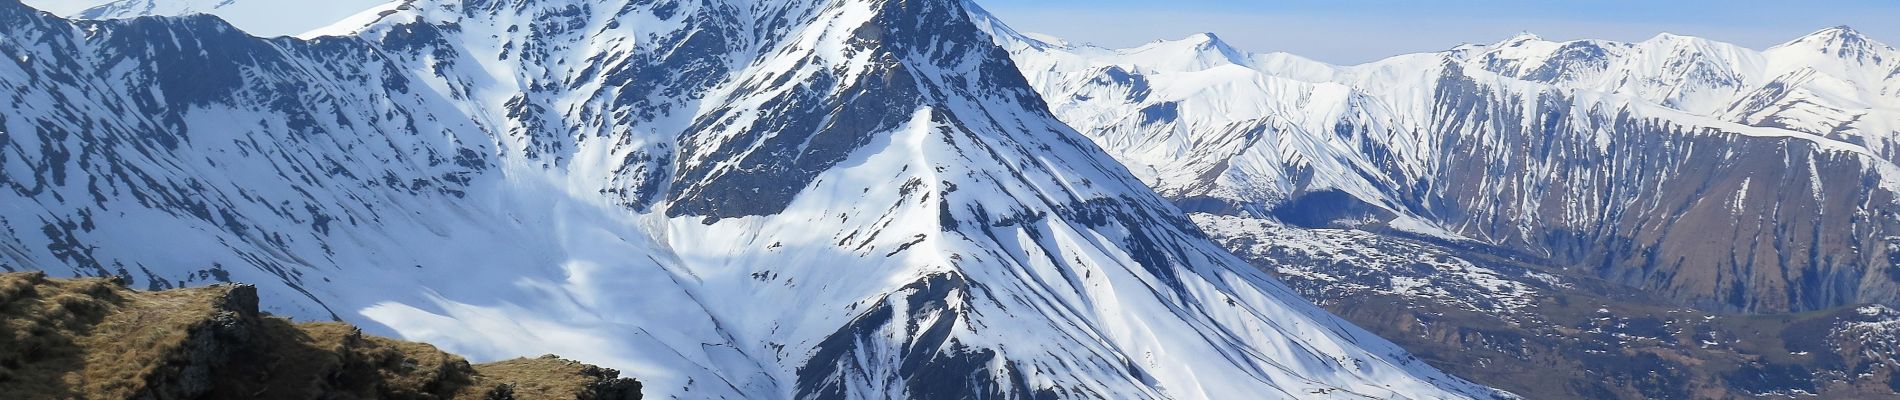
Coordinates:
[1354,31]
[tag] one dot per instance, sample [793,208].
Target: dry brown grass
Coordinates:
[330,359]
[91,338]
[550,377]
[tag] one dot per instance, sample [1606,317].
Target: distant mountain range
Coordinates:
[727,199]
[1726,178]
[261,18]
[908,198]
[1675,218]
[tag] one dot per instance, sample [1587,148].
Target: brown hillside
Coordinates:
[92,339]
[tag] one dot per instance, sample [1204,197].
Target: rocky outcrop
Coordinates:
[92,338]
[1714,219]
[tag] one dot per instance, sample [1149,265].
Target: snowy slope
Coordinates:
[1834,83]
[66,7]
[1199,120]
[728,199]
[258,17]
[1591,153]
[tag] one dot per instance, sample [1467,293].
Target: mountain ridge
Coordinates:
[89,338]
[1672,218]
[566,175]
[1401,142]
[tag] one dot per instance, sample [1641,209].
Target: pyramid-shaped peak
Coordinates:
[1195,45]
[1206,40]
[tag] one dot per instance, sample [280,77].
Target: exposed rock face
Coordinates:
[1724,178]
[90,338]
[1709,217]
[1585,219]
[1522,324]
[745,198]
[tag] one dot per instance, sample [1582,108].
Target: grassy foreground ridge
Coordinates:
[93,339]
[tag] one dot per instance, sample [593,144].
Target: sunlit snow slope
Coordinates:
[258,17]
[728,199]
[1723,177]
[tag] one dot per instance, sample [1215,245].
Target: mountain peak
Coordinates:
[1667,40]
[1842,30]
[1195,52]
[1668,37]
[1521,38]
[1841,41]
[1204,41]
[1836,34]
[1205,37]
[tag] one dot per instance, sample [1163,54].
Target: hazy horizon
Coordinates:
[1357,31]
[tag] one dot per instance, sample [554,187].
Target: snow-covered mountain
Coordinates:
[258,17]
[1727,178]
[1835,83]
[725,198]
